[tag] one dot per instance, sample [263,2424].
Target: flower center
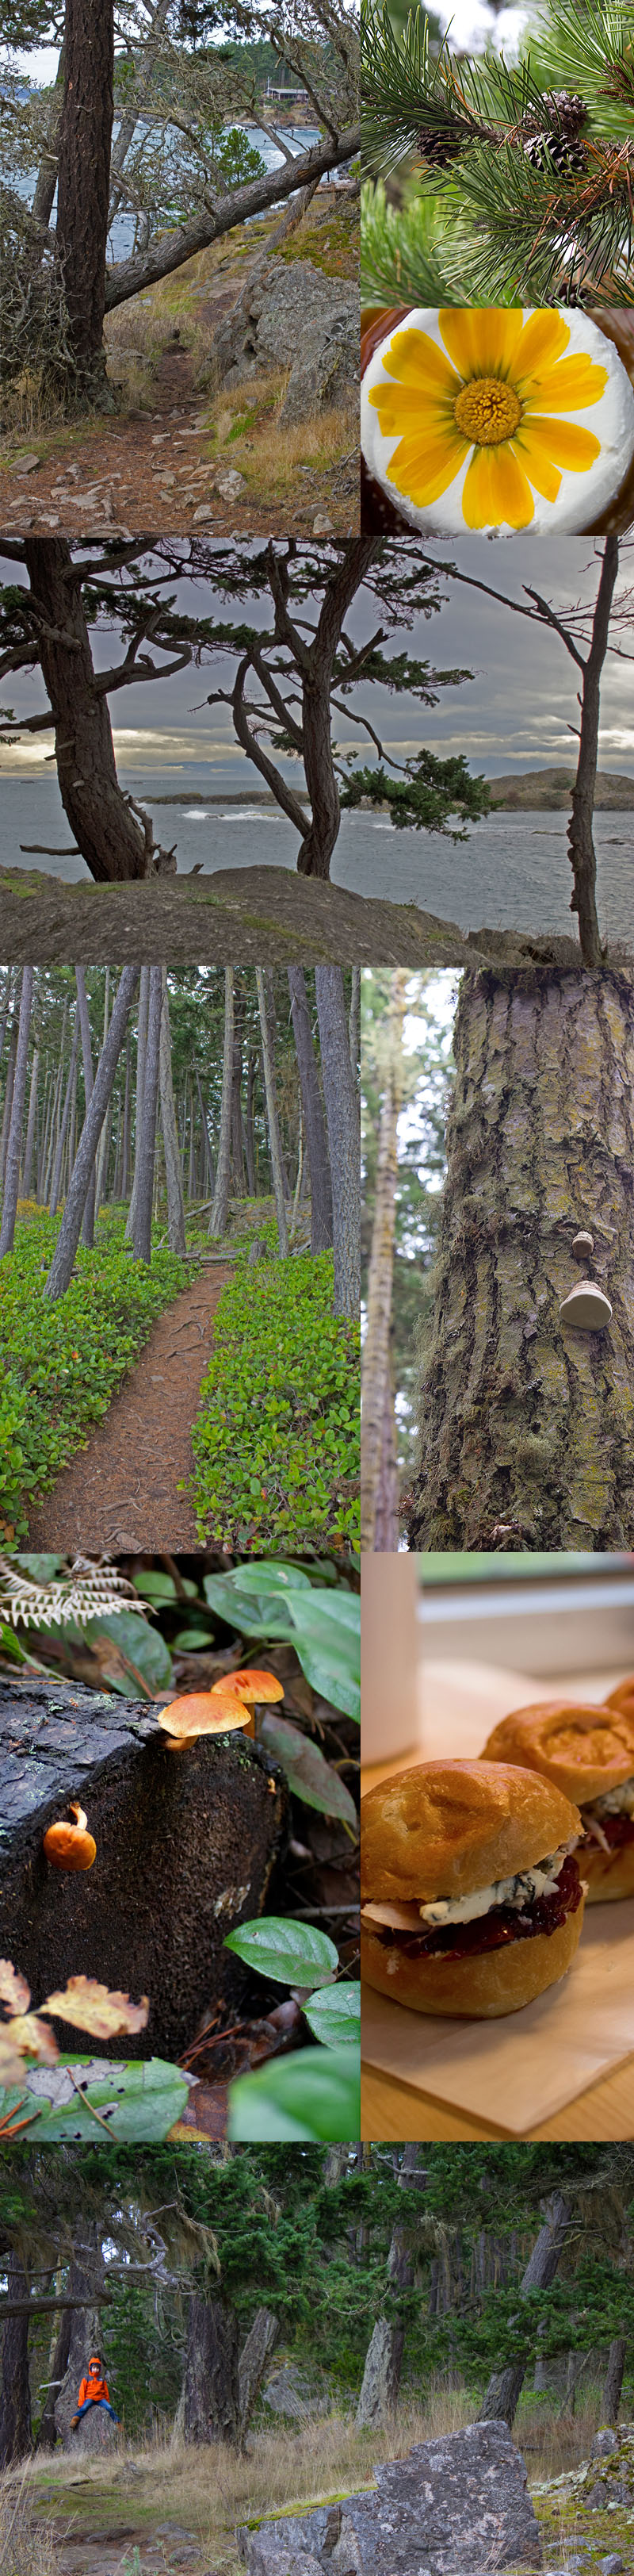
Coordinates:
[487,410]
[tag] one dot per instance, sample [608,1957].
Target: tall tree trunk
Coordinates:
[212,2402]
[141,1046]
[14,1146]
[60,1272]
[173,1182]
[256,2351]
[525,1423]
[272,1116]
[343,1138]
[46,183]
[314,1121]
[614,2378]
[86,2282]
[8,1095]
[386,1520]
[376,1374]
[220,1209]
[57,2366]
[113,842]
[101,1164]
[237,1131]
[354,1027]
[88,1225]
[320,838]
[208,1174]
[125,1148]
[56,1184]
[384,2358]
[580,842]
[249,1145]
[505,2386]
[15,2395]
[31,1129]
[142,1237]
[83,186]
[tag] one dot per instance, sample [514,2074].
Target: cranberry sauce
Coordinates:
[617,1829]
[490,1931]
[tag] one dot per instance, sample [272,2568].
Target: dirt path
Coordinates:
[121,1491]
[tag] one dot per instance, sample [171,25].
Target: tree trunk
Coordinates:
[42,206]
[343,1138]
[272,1118]
[314,1121]
[31,1129]
[260,2342]
[354,1027]
[319,841]
[56,1184]
[83,187]
[376,1374]
[15,2395]
[220,1209]
[505,2386]
[142,1237]
[614,2378]
[60,1272]
[173,1182]
[209,1176]
[58,2365]
[384,2358]
[212,2404]
[114,844]
[141,1045]
[580,841]
[8,1096]
[170,249]
[249,1145]
[88,1225]
[237,1131]
[14,1147]
[125,1147]
[386,1520]
[525,1423]
[86,2281]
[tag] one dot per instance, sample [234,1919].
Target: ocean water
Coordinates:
[512,872]
[121,236]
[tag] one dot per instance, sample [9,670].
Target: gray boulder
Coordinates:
[290,315]
[450,2507]
[95,2432]
[326,371]
[609,2477]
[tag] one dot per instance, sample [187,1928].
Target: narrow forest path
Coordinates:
[121,1491]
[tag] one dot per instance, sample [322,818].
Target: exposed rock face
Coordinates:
[185,1847]
[609,2477]
[95,2432]
[451,2508]
[293,316]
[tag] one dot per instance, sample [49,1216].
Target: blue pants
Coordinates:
[96,2401]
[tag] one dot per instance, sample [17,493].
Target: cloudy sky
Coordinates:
[515,713]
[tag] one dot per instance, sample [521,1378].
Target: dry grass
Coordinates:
[25,2549]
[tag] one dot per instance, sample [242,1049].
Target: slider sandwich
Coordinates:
[472,1901]
[587,1753]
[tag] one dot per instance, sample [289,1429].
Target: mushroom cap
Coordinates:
[203,1713]
[70,1846]
[251,1685]
[586,1307]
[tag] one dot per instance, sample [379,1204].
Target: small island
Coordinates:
[545,790]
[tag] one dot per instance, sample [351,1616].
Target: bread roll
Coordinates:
[480,1987]
[586,1752]
[444,1828]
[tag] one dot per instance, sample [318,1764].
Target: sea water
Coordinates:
[512,872]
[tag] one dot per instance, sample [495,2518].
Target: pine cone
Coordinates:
[560,144]
[438,149]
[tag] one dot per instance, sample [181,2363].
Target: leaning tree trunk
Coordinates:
[581,849]
[83,188]
[376,1375]
[60,1272]
[14,1147]
[15,2395]
[314,1121]
[343,1138]
[505,2386]
[211,2410]
[256,2351]
[614,2378]
[114,844]
[526,1424]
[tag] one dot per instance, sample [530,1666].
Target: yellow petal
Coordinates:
[422,469]
[561,440]
[496,490]
[543,338]
[571,386]
[482,338]
[537,464]
[413,359]
[409,403]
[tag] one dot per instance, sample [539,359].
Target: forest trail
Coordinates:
[120,1492]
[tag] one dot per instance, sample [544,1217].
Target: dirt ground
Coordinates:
[121,1491]
[253,916]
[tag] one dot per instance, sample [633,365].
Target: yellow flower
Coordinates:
[491,404]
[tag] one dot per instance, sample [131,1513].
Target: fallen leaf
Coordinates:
[90,2007]
[32,2039]
[14,1991]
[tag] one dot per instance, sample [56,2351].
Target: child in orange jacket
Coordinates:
[93,2392]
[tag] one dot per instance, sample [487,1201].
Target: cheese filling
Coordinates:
[615,1802]
[520,1891]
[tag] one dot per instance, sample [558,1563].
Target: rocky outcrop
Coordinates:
[291,315]
[609,2477]
[453,2507]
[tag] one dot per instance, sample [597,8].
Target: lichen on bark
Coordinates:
[526,1424]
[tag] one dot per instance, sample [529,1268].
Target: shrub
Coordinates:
[61,1364]
[276,1443]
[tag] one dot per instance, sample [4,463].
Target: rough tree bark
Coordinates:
[384,2358]
[86,2282]
[173,1182]
[614,2378]
[31,1128]
[259,2344]
[56,1184]
[220,1209]
[88,1222]
[115,844]
[15,2396]
[314,1121]
[343,1138]
[141,1043]
[60,1272]
[83,186]
[170,249]
[8,1094]
[526,1424]
[505,2386]
[14,1147]
[272,1118]
[212,2401]
[580,841]
[142,1236]
[376,1374]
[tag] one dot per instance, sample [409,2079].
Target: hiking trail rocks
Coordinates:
[452,2507]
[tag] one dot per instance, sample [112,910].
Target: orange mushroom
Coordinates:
[255,1689]
[204,1713]
[70,1846]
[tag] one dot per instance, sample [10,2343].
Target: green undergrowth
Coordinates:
[61,1364]
[276,1441]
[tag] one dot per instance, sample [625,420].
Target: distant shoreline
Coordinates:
[550,790]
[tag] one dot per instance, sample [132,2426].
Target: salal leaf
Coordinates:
[314,2094]
[135,2103]
[335,2014]
[294,1954]
[307,1772]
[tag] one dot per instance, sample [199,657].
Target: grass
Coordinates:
[26,2547]
[61,1364]
[276,1440]
[211,2491]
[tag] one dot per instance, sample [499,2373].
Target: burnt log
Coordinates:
[186,1843]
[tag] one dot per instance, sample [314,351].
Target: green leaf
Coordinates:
[13,1648]
[139,2102]
[313,2094]
[188,1638]
[143,1646]
[295,1954]
[335,2014]
[324,1627]
[40,1569]
[307,1771]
